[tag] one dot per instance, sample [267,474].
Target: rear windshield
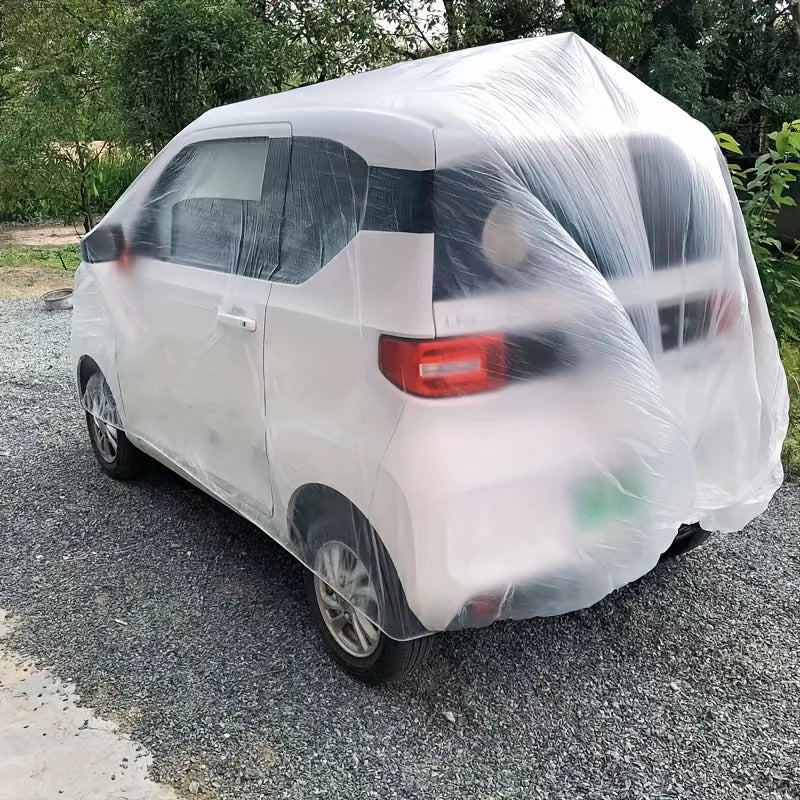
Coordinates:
[682,220]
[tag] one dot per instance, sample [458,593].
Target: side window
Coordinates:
[207,202]
[399,200]
[325,196]
[275,209]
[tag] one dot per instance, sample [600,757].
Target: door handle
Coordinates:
[248,323]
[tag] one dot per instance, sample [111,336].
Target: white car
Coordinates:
[373,333]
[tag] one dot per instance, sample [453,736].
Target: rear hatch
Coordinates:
[512,222]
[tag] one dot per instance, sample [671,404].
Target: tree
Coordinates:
[56,103]
[420,29]
[322,39]
[174,59]
[735,64]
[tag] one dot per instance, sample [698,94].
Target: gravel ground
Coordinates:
[686,684]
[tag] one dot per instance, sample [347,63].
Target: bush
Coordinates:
[113,174]
[50,188]
[174,59]
[762,194]
[790,353]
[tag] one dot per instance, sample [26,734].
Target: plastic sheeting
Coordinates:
[471,336]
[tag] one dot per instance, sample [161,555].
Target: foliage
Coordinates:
[42,187]
[113,173]
[174,59]
[619,29]
[56,103]
[762,191]
[429,27]
[790,354]
[735,65]
[314,40]
[65,257]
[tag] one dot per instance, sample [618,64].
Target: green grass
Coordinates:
[790,353]
[67,256]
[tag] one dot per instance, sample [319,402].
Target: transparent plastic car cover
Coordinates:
[470,336]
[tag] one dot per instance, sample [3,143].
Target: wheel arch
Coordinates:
[313,499]
[87,366]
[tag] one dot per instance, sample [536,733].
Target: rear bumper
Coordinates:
[491,486]
[497,509]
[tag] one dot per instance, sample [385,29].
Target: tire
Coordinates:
[121,461]
[389,660]
[689,537]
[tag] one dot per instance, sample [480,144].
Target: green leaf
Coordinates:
[726,142]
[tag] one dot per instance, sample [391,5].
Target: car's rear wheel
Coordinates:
[689,537]
[345,565]
[116,456]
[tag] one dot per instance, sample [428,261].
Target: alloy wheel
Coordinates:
[338,574]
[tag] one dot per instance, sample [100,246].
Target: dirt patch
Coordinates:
[39,235]
[51,746]
[32,281]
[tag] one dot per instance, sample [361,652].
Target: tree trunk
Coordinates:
[794,10]
[451,20]
[86,207]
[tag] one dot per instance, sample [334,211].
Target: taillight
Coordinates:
[445,367]
[724,309]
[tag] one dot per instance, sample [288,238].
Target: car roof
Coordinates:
[491,98]
[410,89]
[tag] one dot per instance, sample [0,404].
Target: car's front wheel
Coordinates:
[342,568]
[116,456]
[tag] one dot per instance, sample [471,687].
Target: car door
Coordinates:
[191,354]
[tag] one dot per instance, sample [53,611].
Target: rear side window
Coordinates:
[681,217]
[465,197]
[399,200]
[325,194]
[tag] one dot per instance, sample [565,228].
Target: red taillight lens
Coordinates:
[723,309]
[444,367]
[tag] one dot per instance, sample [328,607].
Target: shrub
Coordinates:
[49,187]
[762,194]
[790,354]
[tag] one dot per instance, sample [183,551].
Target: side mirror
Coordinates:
[104,243]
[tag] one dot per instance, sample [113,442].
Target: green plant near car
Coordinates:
[66,187]
[790,354]
[763,192]
[65,257]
